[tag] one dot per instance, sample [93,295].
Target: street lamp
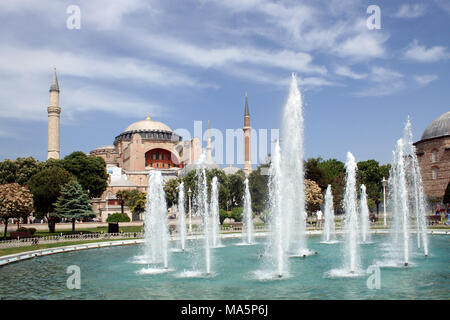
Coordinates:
[190,215]
[384,182]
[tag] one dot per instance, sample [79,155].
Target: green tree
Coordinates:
[331,168]
[19,170]
[259,192]
[73,203]
[89,171]
[15,202]
[136,201]
[370,173]
[313,172]
[236,189]
[122,197]
[171,191]
[46,188]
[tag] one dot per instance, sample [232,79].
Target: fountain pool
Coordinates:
[109,273]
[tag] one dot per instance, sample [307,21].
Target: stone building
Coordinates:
[143,146]
[433,152]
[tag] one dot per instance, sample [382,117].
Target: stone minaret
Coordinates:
[53,111]
[247,133]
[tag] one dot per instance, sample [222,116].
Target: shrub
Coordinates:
[223,215]
[236,214]
[118,217]
[31,231]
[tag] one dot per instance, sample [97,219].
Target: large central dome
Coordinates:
[148,125]
[438,128]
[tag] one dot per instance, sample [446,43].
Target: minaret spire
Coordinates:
[247,133]
[54,86]
[54,112]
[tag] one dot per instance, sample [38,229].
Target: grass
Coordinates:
[42,233]
[8,251]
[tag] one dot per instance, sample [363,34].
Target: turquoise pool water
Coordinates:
[111,273]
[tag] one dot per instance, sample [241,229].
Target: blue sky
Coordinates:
[194,60]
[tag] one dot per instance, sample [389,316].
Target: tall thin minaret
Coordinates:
[53,111]
[247,133]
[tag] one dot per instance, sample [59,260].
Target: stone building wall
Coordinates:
[434,186]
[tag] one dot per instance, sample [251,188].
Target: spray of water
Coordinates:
[156,223]
[182,216]
[214,211]
[292,173]
[329,233]
[247,230]
[351,250]
[364,216]
[203,210]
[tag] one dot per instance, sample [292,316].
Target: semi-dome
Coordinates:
[148,125]
[438,128]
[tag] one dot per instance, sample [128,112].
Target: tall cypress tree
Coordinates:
[73,203]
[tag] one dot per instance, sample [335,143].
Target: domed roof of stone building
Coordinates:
[148,125]
[438,128]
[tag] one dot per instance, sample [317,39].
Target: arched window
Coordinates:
[434,173]
[434,156]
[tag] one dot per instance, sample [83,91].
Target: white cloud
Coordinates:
[425,79]
[380,74]
[347,72]
[411,10]
[387,82]
[420,53]
[362,46]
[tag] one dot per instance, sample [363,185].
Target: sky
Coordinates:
[194,60]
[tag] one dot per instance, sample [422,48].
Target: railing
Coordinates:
[67,238]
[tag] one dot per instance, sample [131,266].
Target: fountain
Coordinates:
[156,235]
[247,230]
[364,211]
[406,200]
[329,233]
[214,210]
[203,210]
[181,216]
[277,246]
[292,173]
[412,165]
[351,265]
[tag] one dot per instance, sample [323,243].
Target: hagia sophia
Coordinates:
[148,145]
[143,146]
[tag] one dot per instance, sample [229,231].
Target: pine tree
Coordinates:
[73,203]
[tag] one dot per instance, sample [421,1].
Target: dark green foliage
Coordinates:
[171,191]
[89,171]
[259,191]
[315,173]
[370,173]
[118,217]
[46,187]
[236,214]
[73,203]
[236,187]
[19,170]
[223,215]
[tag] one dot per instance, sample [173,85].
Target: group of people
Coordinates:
[444,213]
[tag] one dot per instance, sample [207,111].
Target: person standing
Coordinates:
[319,216]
